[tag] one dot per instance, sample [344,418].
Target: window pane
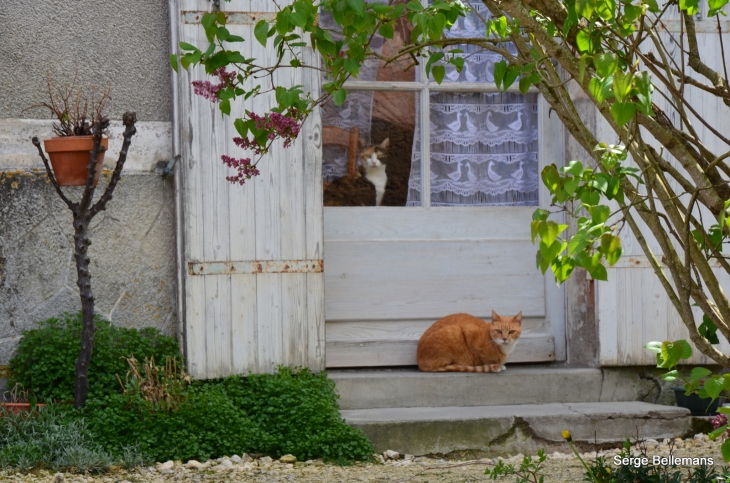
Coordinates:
[367,148]
[484,149]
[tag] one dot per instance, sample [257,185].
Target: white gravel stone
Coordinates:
[288,458]
[390,454]
[193,465]
[266,460]
[167,465]
[236,459]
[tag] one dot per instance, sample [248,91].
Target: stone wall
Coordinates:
[133,251]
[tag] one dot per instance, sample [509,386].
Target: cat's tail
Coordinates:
[461,368]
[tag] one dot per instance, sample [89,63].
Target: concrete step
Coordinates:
[497,430]
[367,389]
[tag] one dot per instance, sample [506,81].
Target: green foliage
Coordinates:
[289,412]
[595,242]
[51,438]
[701,380]
[528,471]
[600,471]
[46,358]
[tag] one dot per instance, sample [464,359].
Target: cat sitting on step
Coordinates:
[464,343]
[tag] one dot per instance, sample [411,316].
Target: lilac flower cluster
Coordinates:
[276,125]
[245,169]
[718,421]
[209,90]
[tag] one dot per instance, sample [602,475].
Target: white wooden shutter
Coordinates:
[270,228]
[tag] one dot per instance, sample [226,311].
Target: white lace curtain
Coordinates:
[483,145]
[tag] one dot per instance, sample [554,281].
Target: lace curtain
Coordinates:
[483,145]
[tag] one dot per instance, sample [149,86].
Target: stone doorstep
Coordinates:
[498,430]
[400,388]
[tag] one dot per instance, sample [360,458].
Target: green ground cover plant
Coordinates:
[54,438]
[46,359]
[161,411]
[290,412]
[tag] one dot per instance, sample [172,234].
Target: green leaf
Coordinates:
[585,42]
[386,30]
[715,6]
[339,96]
[534,225]
[241,127]
[596,89]
[575,168]
[600,213]
[438,72]
[623,112]
[585,8]
[549,252]
[654,347]
[714,386]
[691,6]
[525,84]
[725,450]
[598,272]
[708,330]
[173,62]
[606,64]
[187,46]
[622,85]
[578,242]
[225,106]
[670,375]
[611,247]
[510,76]
[718,432]
[686,350]
[357,6]
[500,68]
[261,31]
[550,231]
[699,373]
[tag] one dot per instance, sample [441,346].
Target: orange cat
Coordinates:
[462,342]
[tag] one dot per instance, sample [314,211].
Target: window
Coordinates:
[480,147]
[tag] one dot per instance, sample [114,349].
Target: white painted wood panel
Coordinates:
[632,306]
[402,352]
[236,323]
[430,279]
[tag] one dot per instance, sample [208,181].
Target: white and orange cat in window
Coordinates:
[464,343]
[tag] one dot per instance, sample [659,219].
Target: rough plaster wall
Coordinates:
[132,255]
[125,44]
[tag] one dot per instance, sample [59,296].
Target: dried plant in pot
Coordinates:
[77,111]
[79,115]
[18,400]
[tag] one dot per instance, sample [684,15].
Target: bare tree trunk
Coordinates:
[84,212]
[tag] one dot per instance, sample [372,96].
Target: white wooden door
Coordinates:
[250,256]
[391,272]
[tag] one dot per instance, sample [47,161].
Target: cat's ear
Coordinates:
[518,318]
[385,143]
[494,316]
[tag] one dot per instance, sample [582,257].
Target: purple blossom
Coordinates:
[275,125]
[243,166]
[718,421]
[210,90]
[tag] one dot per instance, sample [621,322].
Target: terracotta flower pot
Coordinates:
[70,158]
[16,408]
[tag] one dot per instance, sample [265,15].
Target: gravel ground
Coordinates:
[559,467]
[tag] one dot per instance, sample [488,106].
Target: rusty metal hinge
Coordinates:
[256,266]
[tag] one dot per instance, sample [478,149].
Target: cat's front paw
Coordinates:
[496,367]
